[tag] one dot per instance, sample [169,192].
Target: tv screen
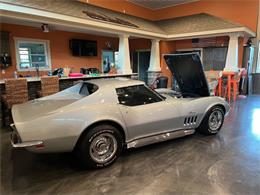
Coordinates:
[83,47]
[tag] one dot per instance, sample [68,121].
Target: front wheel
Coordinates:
[212,121]
[100,146]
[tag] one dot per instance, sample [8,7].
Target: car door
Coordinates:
[146,113]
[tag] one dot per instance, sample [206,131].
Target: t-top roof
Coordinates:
[115,82]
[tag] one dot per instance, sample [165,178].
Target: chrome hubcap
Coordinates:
[103,148]
[215,120]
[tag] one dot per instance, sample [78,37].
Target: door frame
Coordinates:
[111,50]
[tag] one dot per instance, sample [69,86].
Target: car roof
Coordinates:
[117,82]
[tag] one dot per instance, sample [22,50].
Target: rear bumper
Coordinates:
[17,142]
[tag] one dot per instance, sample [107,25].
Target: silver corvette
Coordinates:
[97,118]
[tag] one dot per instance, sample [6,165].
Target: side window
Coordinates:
[32,53]
[87,89]
[137,95]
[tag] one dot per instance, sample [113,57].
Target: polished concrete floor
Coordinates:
[228,163]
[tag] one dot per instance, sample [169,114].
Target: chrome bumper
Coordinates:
[17,142]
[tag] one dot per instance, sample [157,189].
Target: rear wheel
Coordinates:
[100,146]
[212,121]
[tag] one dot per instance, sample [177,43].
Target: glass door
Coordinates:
[140,64]
[108,60]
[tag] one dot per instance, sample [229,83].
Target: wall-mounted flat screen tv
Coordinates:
[81,47]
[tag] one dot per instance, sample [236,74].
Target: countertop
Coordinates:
[35,79]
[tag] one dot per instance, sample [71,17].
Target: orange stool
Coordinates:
[235,83]
[230,76]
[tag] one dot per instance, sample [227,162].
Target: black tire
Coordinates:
[85,151]
[205,127]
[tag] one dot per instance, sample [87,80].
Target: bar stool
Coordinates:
[235,84]
[222,85]
[227,91]
[16,92]
[213,80]
[49,86]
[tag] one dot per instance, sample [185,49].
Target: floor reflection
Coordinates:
[256,123]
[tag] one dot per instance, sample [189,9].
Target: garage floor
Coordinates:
[228,163]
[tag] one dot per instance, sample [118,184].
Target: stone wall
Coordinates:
[152,75]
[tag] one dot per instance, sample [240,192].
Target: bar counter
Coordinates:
[34,84]
[86,77]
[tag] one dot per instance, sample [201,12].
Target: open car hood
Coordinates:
[188,72]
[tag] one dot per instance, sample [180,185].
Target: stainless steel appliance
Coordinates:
[248,59]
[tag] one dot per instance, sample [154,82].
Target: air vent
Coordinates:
[191,120]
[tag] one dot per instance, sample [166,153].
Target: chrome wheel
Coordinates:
[103,148]
[215,120]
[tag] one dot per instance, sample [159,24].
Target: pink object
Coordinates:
[76,75]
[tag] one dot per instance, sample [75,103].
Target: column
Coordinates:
[123,55]
[256,42]
[1,106]
[232,54]
[254,78]
[154,67]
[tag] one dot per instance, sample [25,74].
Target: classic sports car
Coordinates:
[97,118]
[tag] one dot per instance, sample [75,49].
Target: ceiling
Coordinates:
[54,27]
[159,4]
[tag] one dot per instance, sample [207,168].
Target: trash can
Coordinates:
[162,82]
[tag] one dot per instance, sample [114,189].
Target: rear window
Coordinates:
[87,89]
